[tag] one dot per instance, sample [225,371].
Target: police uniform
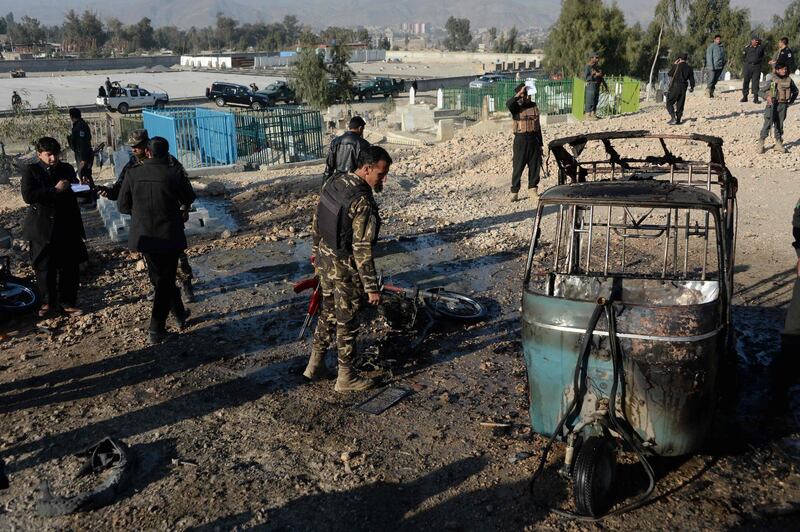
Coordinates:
[783,93]
[346,226]
[786,56]
[752,58]
[80,140]
[527,148]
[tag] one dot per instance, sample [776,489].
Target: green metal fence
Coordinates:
[552,97]
[621,97]
[278,135]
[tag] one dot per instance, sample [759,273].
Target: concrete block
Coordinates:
[417,117]
[444,130]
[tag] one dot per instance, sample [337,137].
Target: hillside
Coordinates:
[322,13]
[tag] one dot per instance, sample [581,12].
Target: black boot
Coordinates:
[744,99]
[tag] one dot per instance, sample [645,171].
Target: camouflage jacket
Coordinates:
[365,231]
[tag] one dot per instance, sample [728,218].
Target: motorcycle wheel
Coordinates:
[17,297]
[452,305]
[594,473]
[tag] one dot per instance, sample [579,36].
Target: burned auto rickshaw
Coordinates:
[626,305]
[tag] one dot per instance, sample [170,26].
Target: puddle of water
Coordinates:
[432,260]
[266,263]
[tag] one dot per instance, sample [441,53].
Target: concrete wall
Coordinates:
[115,63]
[433,56]
[207,61]
[271,61]
[456,82]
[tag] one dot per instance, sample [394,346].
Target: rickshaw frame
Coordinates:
[692,337]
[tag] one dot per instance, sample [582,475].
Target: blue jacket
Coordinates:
[715,56]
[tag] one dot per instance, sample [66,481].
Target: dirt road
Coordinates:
[227,434]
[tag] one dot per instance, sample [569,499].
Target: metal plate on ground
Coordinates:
[383,400]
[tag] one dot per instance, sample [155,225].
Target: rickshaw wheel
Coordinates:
[593,474]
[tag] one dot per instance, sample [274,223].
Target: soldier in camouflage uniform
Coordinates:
[346,226]
[137,140]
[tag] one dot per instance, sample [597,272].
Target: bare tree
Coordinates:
[669,15]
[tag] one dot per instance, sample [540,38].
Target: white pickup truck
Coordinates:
[131,96]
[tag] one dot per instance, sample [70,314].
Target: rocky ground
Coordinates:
[227,435]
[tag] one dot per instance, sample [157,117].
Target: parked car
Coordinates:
[131,96]
[377,87]
[487,80]
[280,91]
[223,94]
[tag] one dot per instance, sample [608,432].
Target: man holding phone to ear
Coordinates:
[527,148]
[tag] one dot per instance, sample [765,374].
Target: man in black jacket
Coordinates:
[527,147]
[681,77]
[80,140]
[345,149]
[54,227]
[753,58]
[153,194]
[784,55]
[138,140]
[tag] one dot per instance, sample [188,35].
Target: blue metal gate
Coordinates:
[197,136]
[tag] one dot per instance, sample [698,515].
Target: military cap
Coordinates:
[138,138]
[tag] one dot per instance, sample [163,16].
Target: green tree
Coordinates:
[492,36]
[141,34]
[708,18]
[458,34]
[292,27]
[509,43]
[309,78]
[340,73]
[385,44]
[668,16]
[586,26]
[27,31]
[225,31]
[94,37]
